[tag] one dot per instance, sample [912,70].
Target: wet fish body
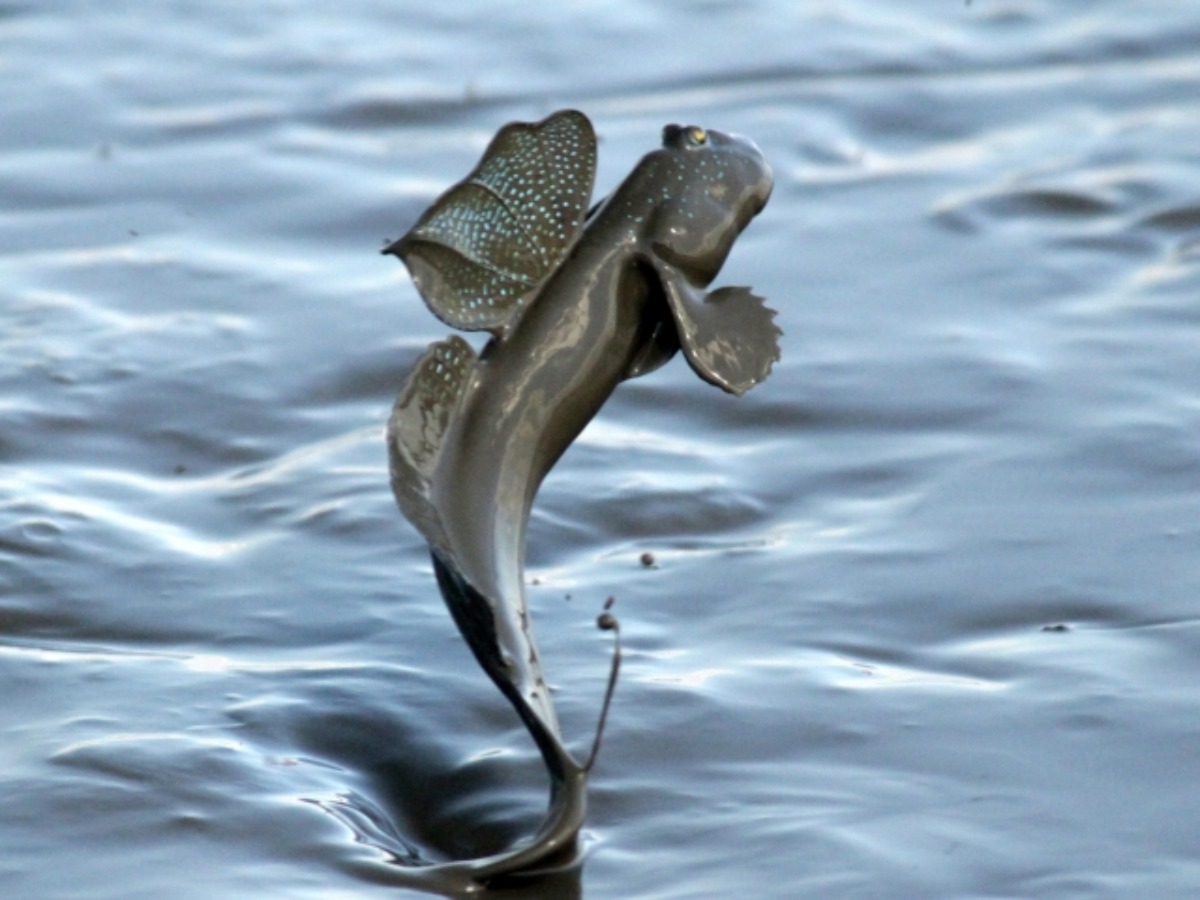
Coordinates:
[574,308]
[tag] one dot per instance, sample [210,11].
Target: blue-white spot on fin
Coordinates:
[481,251]
[729,336]
[423,413]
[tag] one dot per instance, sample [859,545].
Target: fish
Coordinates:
[576,298]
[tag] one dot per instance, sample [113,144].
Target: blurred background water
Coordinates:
[924,620]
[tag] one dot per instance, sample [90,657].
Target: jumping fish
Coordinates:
[576,302]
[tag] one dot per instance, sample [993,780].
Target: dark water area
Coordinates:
[925,614]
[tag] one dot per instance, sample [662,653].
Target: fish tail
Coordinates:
[521,683]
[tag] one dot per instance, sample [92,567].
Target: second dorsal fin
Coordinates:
[424,411]
[482,249]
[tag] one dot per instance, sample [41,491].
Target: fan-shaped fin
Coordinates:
[423,413]
[729,335]
[482,249]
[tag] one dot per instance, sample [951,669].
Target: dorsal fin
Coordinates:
[481,250]
[424,410]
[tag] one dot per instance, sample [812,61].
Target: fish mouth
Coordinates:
[763,192]
[765,183]
[757,176]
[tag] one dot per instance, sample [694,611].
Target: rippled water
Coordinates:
[925,618]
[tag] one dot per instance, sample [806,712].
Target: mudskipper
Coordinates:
[576,302]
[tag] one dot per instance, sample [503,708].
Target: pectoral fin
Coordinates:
[479,253]
[657,351]
[423,413]
[728,335]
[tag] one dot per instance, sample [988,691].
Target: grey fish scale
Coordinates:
[481,251]
[417,429]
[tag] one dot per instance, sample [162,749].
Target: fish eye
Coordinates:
[697,135]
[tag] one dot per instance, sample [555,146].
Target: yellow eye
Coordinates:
[698,135]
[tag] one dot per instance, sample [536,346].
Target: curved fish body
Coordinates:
[575,307]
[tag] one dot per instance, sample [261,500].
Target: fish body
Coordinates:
[576,304]
[530,395]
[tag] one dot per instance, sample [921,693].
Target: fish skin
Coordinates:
[616,300]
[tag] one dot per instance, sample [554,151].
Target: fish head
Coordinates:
[711,185]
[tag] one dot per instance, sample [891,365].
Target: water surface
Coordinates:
[924,616]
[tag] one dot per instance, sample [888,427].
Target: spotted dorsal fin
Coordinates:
[425,409]
[482,249]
